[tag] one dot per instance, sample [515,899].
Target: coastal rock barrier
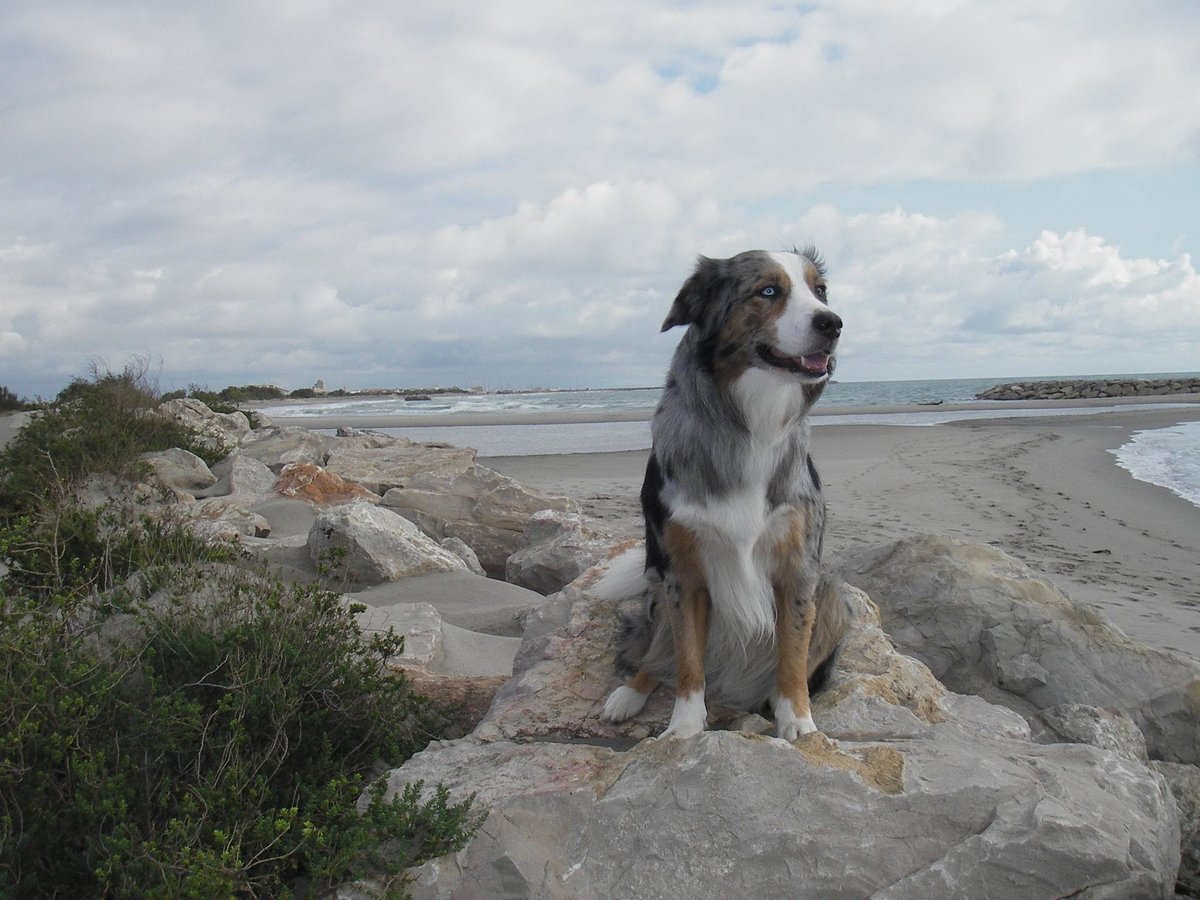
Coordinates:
[1087,389]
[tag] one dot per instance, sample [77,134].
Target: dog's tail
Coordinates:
[625,577]
[829,631]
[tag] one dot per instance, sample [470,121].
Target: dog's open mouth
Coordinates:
[815,365]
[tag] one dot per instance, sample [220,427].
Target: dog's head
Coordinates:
[760,309]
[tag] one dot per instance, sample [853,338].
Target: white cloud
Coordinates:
[483,193]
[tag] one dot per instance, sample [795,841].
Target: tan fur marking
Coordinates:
[752,320]
[812,278]
[795,615]
[643,682]
[689,617]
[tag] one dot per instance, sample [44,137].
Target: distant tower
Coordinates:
[319,387]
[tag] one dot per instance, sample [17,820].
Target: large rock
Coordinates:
[365,544]
[239,474]
[1185,785]
[217,431]
[380,469]
[556,549]
[180,470]
[911,792]
[309,482]
[226,518]
[486,510]
[985,624]
[275,447]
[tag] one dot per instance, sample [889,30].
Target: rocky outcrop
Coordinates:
[483,508]
[216,431]
[1088,389]
[366,544]
[910,792]
[179,470]
[381,468]
[557,548]
[475,513]
[309,482]
[986,624]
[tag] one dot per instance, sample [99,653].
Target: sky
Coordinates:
[403,194]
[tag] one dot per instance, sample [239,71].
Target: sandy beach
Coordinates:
[1046,490]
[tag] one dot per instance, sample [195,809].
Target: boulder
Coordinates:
[557,548]
[276,447]
[180,470]
[309,482]
[486,510]
[1077,723]
[365,544]
[216,431]
[1185,785]
[237,475]
[909,792]
[379,469]
[225,518]
[460,549]
[984,623]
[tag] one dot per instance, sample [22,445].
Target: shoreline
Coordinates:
[581,417]
[1046,490]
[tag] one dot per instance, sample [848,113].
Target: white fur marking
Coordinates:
[689,716]
[623,703]
[788,725]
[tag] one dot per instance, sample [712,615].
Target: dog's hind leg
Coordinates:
[795,615]
[627,700]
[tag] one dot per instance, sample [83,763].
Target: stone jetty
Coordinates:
[1089,388]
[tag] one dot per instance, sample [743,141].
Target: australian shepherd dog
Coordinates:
[732,602]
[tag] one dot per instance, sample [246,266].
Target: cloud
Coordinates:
[461,193]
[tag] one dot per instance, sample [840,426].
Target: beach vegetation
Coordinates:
[10,402]
[173,722]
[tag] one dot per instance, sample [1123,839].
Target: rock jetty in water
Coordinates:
[1088,389]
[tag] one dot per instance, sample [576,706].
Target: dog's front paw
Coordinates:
[688,718]
[790,726]
[623,703]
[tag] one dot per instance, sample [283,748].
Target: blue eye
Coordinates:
[768,291]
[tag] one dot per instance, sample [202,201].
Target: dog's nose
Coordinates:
[827,323]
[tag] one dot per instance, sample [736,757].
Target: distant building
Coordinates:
[319,388]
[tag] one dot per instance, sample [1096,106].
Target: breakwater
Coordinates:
[1086,389]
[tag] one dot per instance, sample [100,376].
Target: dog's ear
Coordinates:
[695,295]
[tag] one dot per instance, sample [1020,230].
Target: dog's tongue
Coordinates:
[818,362]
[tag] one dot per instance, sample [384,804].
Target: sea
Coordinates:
[1169,457]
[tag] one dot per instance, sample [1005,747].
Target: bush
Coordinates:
[171,725]
[95,427]
[213,743]
[10,402]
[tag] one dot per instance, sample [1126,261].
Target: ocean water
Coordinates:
[1168,457]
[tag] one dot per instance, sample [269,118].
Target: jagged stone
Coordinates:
[217,431]
[909,792]
[180,470]
[556,549]
[309,482]
[239,474]
[486,510]
[366,544]
[984,623]
[379,469]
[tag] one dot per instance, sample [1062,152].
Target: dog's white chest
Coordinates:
[736,533]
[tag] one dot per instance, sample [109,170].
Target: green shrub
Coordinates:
[94,427]
[10,402]
[174,727]
[213,744]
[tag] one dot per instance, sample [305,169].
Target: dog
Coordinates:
[733,604]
